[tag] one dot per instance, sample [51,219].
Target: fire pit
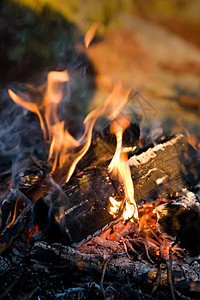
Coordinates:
[101,214]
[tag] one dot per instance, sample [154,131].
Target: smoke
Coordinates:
[19,132]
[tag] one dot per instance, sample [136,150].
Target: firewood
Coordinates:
[103,146]
[180,218]
[81,207]
[11,232]
[119,268]
[165,169]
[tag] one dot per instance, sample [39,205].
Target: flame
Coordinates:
[90,34]
[191,138]
[14,214]
[114,209]
[66,150]
[51,99]
[111,107]
[119,166]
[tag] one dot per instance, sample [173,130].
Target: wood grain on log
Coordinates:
[120,267]
[103,146]
[165,169]
[81,207]
[13,231]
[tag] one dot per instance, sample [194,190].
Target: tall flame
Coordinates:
[110,108]
[14,214]
[49,102]
[90,34]
[119,167]
[66,150]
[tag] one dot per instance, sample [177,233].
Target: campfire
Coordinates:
[103,205]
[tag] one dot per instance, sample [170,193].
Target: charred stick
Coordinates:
[157,282]
[92,263]
[125,247]
[147,253]
[104,269]
[132,249]
[14,230]
[170,275]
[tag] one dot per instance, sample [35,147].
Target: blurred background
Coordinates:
[152,46]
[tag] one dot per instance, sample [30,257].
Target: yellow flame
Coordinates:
[49,102]
[28,105]
[119,166]
[111,107]
[66,150]
[114,209]
[14,214]
[90,34]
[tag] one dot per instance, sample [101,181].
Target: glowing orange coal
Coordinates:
[119,167]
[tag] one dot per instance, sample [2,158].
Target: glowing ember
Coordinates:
[119,167]
[90,34]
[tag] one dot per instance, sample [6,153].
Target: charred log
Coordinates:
[81,207]
[180,219]
[103,146]
[12,232]
[118,267]
[165,169]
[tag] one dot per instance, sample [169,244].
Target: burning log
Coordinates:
[14,229]
[103,146]
[81,207]
[15,217]
[180,218]
[84,202]
[112,267]
[165,169]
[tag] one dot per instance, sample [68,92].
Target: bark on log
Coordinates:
[180,218]
[165,169]
[119,267]
[81,206]
[15,229]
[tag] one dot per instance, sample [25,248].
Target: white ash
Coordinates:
[143,158]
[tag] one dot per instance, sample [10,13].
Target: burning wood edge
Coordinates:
[15,229]
[81,208]
[118,268]
[165,169]
[180,219]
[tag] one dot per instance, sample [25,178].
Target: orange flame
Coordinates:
[111,107]
[50,101]
[68,151]
[90,34]
[14,214]
[114,209]
[119,166]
